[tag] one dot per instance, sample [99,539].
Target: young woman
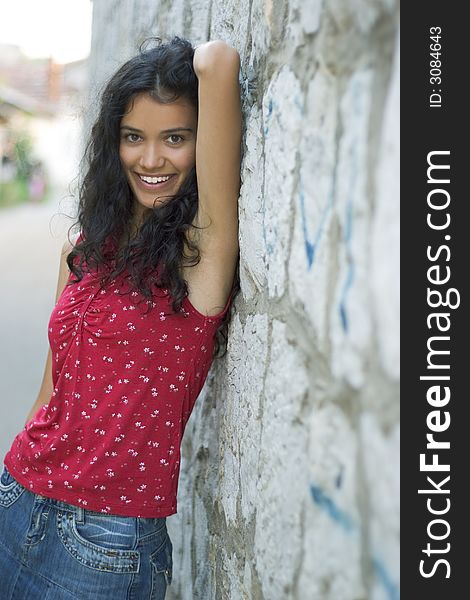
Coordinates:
[142,295]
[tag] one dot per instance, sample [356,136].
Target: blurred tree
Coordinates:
[23,155]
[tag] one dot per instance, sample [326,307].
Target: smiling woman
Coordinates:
[143,294]
[157,159]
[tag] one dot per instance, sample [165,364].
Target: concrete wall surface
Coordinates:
[289,485]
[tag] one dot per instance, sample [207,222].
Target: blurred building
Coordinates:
[43,101]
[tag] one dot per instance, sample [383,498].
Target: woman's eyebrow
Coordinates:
[176,129]
[165,131]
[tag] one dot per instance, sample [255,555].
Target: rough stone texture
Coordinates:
[289,476]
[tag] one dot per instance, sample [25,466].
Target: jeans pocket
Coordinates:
[99,541]
[10,489]
[162,567]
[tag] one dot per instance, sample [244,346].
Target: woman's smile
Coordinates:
[157,148]
[154,182]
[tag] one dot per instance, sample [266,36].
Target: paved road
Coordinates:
[31,237]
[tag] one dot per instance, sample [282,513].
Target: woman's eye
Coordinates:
[173,140]
[133,137]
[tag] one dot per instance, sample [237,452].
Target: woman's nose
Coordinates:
[151,158]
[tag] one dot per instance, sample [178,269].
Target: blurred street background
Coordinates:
[44,50]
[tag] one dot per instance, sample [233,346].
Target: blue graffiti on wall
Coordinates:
[311,244]
[357,100]
[383,576]
[268,116]
[347,524]
[347,237]
[331,509]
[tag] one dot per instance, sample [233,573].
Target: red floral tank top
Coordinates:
[125,380]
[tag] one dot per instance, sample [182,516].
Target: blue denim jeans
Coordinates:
[50,550]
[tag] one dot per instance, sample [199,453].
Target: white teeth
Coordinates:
[154,179]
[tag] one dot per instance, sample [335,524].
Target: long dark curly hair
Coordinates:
[106,207]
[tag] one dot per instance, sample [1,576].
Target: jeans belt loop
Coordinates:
[80,515]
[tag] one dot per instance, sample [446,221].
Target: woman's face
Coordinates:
[157,148]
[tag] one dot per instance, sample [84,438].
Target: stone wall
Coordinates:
[289,483]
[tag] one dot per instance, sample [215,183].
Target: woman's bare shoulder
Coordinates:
[70,243]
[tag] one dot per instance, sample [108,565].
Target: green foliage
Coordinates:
[23,155]
[13,192]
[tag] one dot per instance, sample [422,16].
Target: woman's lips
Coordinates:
[153,186]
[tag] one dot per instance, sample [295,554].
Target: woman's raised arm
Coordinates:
[218,142]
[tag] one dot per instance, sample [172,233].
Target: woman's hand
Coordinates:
[213,53]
